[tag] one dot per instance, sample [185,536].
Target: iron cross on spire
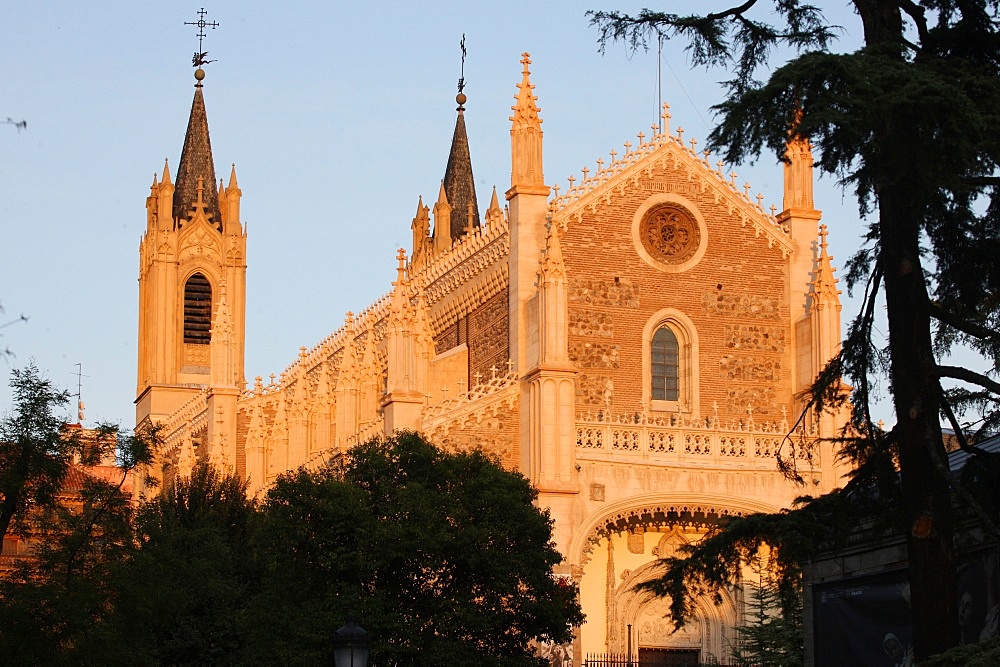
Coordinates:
[461,80]
[201,56]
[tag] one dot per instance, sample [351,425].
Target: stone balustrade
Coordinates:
[677,442]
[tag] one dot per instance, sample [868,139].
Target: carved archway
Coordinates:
[709,632]
[660,510]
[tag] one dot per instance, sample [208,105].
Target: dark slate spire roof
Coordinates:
[458,182]
[196,160]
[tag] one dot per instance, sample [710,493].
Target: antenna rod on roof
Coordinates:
[659,80]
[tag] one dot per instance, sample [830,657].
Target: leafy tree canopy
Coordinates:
[35,453]
[442,557]
[909,123]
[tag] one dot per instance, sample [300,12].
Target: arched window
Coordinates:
[198,310]
[670,363]
[664,356]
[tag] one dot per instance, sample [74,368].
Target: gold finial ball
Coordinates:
[199,74]
[461,98]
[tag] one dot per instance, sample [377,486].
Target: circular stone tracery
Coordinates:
[669,233]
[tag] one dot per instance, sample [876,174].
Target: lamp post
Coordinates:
[350,646]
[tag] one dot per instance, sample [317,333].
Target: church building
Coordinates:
[637,343]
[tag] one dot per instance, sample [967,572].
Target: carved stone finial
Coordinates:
[525,60]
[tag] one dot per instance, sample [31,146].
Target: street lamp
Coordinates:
[350,646]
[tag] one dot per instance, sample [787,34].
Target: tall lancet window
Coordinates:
[198,310]
[665,365]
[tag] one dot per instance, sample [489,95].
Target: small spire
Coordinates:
[825,282]
[526,134]
[494,214]
[470,220]
[401,268]
[166,172]
[232,178]
[442,221]
[553,266]
[155,183]
[798,191]
[421,229]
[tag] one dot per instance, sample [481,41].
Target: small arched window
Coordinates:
[670,363]
[664,365]
[198,310]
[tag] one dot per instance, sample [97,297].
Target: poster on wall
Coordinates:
[864,621]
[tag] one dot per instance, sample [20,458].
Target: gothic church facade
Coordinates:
[637,344]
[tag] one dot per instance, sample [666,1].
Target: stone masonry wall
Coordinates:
[735,296]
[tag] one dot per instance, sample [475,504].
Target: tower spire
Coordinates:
[459,183]
[196,163]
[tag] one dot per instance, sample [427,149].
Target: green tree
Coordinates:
[181,593]
[442,557]
[768,637]
[35,452]
[910,123]
[56,606]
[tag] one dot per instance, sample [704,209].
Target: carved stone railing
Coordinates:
[191,415]
[320,458]
[476,398]
[705,443]
[451,268]
[372,429]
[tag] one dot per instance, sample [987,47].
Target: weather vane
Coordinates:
[201,56]
[461,80]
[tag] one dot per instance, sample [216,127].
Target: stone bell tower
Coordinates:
[192,282]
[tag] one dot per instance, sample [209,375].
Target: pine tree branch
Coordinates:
[916,12]
[970,376]
[981,180]
[732,12]
[963,442]
[939,313]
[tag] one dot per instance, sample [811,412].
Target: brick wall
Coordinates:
[735,297]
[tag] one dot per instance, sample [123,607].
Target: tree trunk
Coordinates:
[927,514]
[926,511]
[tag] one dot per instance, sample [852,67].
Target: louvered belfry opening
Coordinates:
[198,310]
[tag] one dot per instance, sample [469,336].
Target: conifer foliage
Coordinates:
[911,124]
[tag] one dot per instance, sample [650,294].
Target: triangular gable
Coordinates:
[664,151]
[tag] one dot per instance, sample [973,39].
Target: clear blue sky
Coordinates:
[337,115]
